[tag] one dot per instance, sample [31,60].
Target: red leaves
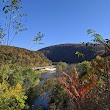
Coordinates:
[87,87]
[76,90]
[71,95]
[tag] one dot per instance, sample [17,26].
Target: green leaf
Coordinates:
[98,38]
[14,2]
[90,31]
[79,54]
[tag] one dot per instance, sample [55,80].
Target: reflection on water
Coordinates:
[48,75]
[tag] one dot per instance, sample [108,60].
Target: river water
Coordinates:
[43,100]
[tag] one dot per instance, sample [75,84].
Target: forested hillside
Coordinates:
[66,52]
[9,54]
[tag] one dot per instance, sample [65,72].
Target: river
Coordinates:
[43,100]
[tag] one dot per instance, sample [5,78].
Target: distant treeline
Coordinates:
[9,54]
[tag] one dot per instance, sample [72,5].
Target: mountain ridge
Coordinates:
[66,52]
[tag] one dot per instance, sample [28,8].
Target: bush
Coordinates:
[61,66]
[12,77]
[12,98]
[83,68]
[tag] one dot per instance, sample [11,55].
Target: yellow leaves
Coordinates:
[3,86]
[11,98]
[18,88]
[88,75]
[98,58]
[101,83]
[98,63]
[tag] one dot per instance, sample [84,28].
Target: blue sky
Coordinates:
[63,21]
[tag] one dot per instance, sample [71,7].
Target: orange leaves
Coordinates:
[77,91]
[86,88]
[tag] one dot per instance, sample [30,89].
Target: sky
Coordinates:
[63,21]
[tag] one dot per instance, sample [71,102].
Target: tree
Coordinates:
[97,38]
[93,84]
[12,98]
[37,39]
[84,67]
[12,22]
[61,66]
[76,88]
[17,82]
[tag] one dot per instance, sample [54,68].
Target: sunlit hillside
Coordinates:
[9,54]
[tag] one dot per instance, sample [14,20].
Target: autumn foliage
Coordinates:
[77,89]
[15,55]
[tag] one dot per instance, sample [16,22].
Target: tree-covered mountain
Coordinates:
[66,52]
[9,54]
